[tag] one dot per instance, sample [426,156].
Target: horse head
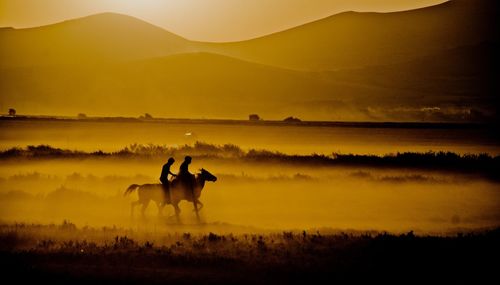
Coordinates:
[207,176]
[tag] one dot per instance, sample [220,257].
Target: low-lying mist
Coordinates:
[277,193]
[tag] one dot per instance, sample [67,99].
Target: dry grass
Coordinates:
[65,253]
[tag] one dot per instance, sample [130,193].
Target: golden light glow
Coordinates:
[304,140]
[214,20]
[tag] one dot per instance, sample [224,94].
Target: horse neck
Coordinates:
[200,182]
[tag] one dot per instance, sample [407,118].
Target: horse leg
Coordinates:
[199,203]
[144,206]
[132,206]
[177,211]
[160,208]
[195,201]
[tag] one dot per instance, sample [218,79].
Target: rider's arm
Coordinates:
[172,173]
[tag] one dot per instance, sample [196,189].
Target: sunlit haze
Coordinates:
[249,141]
[203,20]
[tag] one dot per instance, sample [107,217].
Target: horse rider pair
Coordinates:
[184,176]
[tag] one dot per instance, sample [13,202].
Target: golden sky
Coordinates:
[205,20]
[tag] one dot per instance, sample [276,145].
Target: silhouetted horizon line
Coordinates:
[261,121]
[291,27]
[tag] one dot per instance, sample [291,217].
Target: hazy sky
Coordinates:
[208,20]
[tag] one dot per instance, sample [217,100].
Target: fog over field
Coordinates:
[257,195]
[257,190]
[108,135]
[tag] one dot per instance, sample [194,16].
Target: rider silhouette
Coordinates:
[183,170]
[165,171]
[184,175]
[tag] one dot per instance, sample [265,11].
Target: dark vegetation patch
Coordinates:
[64,253]
[483,164]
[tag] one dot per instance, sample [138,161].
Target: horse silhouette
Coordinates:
[178,192]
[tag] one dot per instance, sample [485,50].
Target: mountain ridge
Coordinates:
[101,37]
[351,40]
[214,86]
[343,40]
[410,74]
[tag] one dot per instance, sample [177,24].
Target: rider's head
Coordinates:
[187,159]
[171,160]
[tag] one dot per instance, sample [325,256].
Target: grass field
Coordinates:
[426,214]
[65,254]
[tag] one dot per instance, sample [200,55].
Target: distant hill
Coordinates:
[183,85]
[462,79]
[97,38]
[354,39]
[432,64]
[345,40]
[214,86]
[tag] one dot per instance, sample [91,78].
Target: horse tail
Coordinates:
[131,189]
